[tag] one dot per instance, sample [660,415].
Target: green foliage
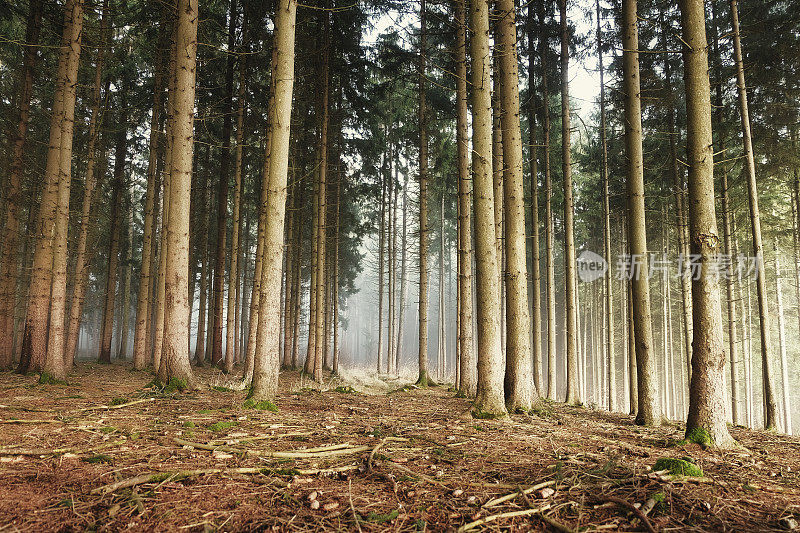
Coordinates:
[483,415]
[263,405]
[119,401]
[189,424]
[378,518]
[699,436]
[175,385]
[219,388]
[48,379]
[678,467]
[108,429]
[222,425]
[346,390]
[98,459]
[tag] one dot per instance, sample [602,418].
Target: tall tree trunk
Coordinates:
[120,155]
[175,358]
[422,380]
[9,260]
[54,361]
[335,266]
[548,211]
[608,305]
[770,415]
[489,399]
[787,407]
[266,363]
[648,412]
[519,390]
[35,336]
[706,421]
[122,353]
[403,284]
[91,181]
[466,347]
[232,330]
[381,247]
[573,392]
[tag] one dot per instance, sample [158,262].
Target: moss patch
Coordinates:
[678,467]
[342,389]
[49,379]
[699,436]
[98,459]
[119,401]
[263,405]
[222,425]
[219,388]
[189,424]
[175,385]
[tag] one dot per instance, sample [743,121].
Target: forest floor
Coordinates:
[108,452]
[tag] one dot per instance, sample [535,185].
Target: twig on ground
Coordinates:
[555,524]
[511,514]
[524,492]
[29,421]
[635,510]
[352,507]
[120,406]
[324,451]
[379,446]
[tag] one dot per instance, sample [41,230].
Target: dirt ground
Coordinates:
[408,460]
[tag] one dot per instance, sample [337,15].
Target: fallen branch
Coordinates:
[120,406]
[635,510]
[410,472]
[507,497]
[555,524]
[159,477]
[511,514]
[23,421]
[57,451]
[324,451]
[378,447]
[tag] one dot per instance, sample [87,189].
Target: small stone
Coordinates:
[471,499]
[789,523]
[330,506]
[312,496]
[458,492]
[545,493]
[315,504]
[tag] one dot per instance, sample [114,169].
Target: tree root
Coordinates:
[323,451]
[524,492]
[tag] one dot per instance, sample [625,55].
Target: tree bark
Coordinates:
[648,411]
[9,260]
[706,421]
[489,399]
[266,362]
[422,379]
[175,359]
[519,391]
[573,392]
[466,346]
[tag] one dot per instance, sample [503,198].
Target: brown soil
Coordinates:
[436,467]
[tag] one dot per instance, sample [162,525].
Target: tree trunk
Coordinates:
[266,362]
[648,411]
[489,399]
[174,362]
[548,211]
[9,260]
[573,392]
[120,154]
[770,415]
[403,285]
[381,247]
[422,380]
[706,421]
[70,55]
[466,347]
[519,391]
[787,406]
[122,352]
[91,181]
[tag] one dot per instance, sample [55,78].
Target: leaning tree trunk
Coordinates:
[70,56]
[489,400]
[175,362]
[770,410]
[571,344]
[266,362]
[647,413]
[706,421]
[9,260]
[519,391]
[468,378]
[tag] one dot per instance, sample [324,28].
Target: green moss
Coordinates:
[221,389]
[155,383]
[204,411]
[478,427]
[189,424]
[222,425]
[378,518]
[461,394]
[175,385]
[263,405]
[699,436]
[108,429]
[483,415]
[678,467]
[346,390]
[98,459]
[119,401]
[49,379]
[405,388]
